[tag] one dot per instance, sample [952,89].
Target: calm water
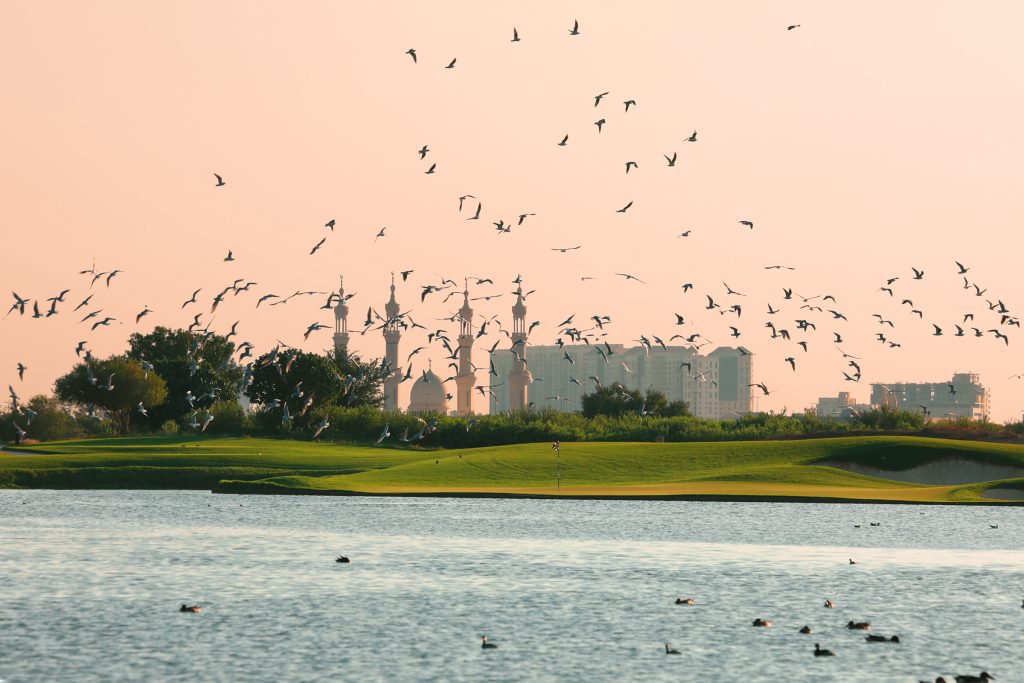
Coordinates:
[90,583]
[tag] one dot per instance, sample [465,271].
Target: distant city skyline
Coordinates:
[858,148]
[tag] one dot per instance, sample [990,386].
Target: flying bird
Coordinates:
[575,30]
[379,234]
[693,137]
[599,123]
[749,224]
[671,159]
[792,26]
[230,256]
[628,103]
[317,247]
[220,181]
[565,249]
[430,170]
[515,35]
[412,53]
[631,163]
[451,65]
[564,141]
[624,209]
[631,277]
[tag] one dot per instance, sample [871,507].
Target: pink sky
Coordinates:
[875,137]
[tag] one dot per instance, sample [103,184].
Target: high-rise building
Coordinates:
[963,396]
[392,334]
[341,321]
[713,386]
[465,379]
[843,406]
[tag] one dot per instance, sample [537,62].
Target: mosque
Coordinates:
[717,385]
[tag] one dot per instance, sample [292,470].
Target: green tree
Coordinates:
[365,388]
[118,385]
[188,362]
[615,401]
[295,379]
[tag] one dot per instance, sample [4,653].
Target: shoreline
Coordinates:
[237,489]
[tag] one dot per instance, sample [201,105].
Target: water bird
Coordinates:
[766,623]
[980,678]
[671,650]
[484,645]
[829,604]
[821,652]
[684,601]
[806,630]
[341,559]
[851,561]
[858,625]
[194,609]
[882,639]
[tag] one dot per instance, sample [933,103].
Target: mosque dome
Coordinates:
[428,395]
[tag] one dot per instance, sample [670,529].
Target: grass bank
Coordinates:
[754,470]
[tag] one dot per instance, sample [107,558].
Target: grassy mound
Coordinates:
[753,469]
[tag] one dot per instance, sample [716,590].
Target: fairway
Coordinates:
[746,469]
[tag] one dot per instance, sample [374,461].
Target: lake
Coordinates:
[91,582]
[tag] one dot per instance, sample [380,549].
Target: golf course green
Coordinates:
[751,470]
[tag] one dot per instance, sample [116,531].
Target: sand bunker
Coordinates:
[941,472]
[1003,494]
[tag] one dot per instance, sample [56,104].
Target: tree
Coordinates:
[367,380]
[616,401]
[118,385]
[188,362]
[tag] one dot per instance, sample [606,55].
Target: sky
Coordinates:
[874,138]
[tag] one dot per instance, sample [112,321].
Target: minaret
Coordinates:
[465,380]
[519,377]
[392,333]
[341,322]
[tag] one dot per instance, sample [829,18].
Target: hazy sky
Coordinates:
[875,137]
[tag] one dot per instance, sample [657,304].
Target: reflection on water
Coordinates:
[569,590]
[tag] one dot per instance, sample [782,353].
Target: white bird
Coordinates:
[324,424]
[142,409]
[207,419]
[384,434]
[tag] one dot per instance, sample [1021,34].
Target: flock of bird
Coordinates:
[786,323]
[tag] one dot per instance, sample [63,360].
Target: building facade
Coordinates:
[713,386]
[465,379]
[519,375]
[962,396]
[842,406]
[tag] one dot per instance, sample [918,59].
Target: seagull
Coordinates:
[412,53]
[575,30]
[145,311]
[631,163]
[522,217]
[918,274]
[141,409]
[671,160]
[317,247]
[599,123]
[792,26]
[324,424]
[384,434]
[631,277]
[624,209]
[564,140]
[474,217]
[515,35]
[105,322]
[430,170]
[192,300]
[565,249]
[684,234]
[230,256]
[761,386]
[85,302]
[629,102]
[21,371]
[381,233]
[220,181]
[749,224]
[963,269]
[313,328]
[693,137]
[451,64]
[330,223]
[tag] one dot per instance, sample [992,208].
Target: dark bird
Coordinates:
[938,330]
[412,53]
[220,181]
[476,216]
[341,559]
[918,274]
[330,223]
[515,35]
[671,159]
[624,209]
[821,652]
[792,362]
[599,123]
[575,30]
[484,645]
[792,26]
[597,98]
[318,245]
[631,277]
[671,650]
[631,163]
[431,169]
[962,268]
[451,65]
[749,224]
[230,256]
[628,103]
[693,137]
[564,141]
[423,153]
